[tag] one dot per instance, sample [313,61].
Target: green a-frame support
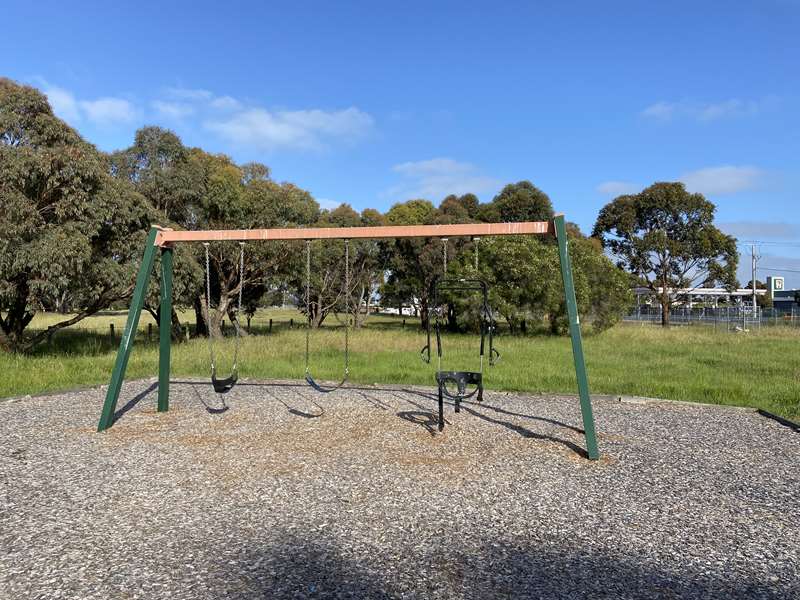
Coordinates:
[164,240]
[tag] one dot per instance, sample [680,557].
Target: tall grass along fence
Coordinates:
[727,318]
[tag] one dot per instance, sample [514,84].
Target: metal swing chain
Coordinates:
[238,308]
[208,312]
[347,308]
[308,300]
[477,242]
[437,308]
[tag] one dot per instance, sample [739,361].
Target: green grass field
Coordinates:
[758,369]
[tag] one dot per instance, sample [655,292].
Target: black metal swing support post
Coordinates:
[164,240]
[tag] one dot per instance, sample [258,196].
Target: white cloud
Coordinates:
[618,188]
[328,203]
[434,166]
[707,111]
[660,110]
[225,103]
[108,111]
[722,180]
[436,178]
[224,115]
[63,102]
[104,111]
[172,110]
[729,108]
[301,129]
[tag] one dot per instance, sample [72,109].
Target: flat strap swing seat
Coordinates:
[324,389]
[224,385]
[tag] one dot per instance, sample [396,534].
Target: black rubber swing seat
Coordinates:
[223,386]
[461,380]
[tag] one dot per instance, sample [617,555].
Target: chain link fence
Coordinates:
[731,318]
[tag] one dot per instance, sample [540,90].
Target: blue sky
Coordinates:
[371,102]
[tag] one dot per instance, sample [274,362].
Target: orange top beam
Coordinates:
[168,237]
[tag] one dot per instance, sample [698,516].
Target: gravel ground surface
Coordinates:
[293,494]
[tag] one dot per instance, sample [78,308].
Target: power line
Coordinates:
[783,269]
[767,243]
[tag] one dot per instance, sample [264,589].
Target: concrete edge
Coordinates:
[645,400]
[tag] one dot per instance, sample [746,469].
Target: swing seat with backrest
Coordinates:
[459,385]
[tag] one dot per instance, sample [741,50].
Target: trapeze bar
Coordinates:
[167,237]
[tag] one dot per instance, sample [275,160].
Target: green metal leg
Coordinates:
[165,330]
[129,335]
[575,334]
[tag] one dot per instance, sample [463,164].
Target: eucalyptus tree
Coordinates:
[66,227]
[231,197]
[666,238]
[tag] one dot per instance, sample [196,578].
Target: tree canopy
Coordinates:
[69,233]
[666,238]
[73,222]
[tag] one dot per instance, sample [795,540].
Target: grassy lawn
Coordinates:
[759,369]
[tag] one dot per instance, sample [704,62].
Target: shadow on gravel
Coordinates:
[212,410]
[294,566]
[130,404]
[525,432]
[296,411]
[425,416]
[426,419]
[467,406]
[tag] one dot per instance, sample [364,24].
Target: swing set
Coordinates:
[455,385]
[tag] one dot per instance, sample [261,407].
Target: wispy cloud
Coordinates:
[328,204]
[761,229]
[225,103]
[300,129]
[436,178]
[63,102]
[173,110]
[660,110]
[103,112]
[109,111]
[618,188]
[237,122]
[707,111]
[723,180]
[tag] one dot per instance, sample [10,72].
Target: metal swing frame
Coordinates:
[164,240]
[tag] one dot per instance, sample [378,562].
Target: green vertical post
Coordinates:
[129,335]
[165,330]
[575,334]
